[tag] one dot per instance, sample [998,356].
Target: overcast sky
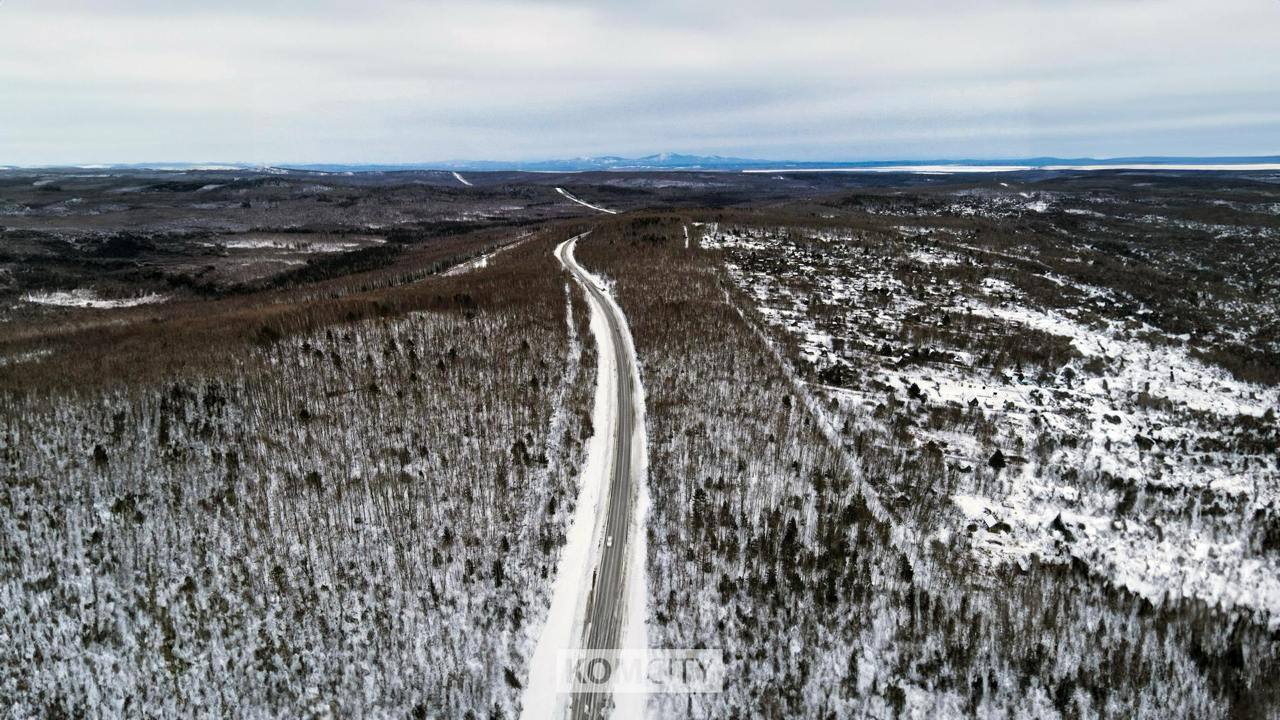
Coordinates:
[90,81]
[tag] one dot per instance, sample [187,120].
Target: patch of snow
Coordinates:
[318,247]
[996,286]
[25,357]
[483,260]
[1085,213]
[1118,438]
[88,298]
[1167,371]
[925,256]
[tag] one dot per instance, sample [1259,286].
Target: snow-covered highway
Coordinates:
[599,591]
[584,203]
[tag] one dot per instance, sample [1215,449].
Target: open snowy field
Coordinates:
[828,526]
[1120,445]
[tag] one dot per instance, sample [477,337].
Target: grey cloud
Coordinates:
[396,80]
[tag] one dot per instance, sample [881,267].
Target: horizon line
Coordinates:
[1039,162]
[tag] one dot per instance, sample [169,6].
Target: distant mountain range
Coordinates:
[716,163]
[663,161]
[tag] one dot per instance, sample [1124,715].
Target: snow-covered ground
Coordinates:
[484,260]
[355,536]
[320,246]
[1127,452]
[1197,562]
[764,547]
[24,357]
[461,179]
[88,298]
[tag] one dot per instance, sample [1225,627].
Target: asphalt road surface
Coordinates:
[605,603]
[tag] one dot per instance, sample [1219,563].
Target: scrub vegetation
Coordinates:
[356,516]
[289,443]
[818,541]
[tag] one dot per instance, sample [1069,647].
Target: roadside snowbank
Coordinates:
[563,627]
[635,632]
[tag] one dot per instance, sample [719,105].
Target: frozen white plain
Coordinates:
[944,169]
[903,168]
[1244,167]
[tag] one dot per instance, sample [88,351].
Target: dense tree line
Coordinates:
[356,519]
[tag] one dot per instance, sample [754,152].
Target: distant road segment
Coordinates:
[583,203]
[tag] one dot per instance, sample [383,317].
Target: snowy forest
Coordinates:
[297,444]
[358,519]
[797,536]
